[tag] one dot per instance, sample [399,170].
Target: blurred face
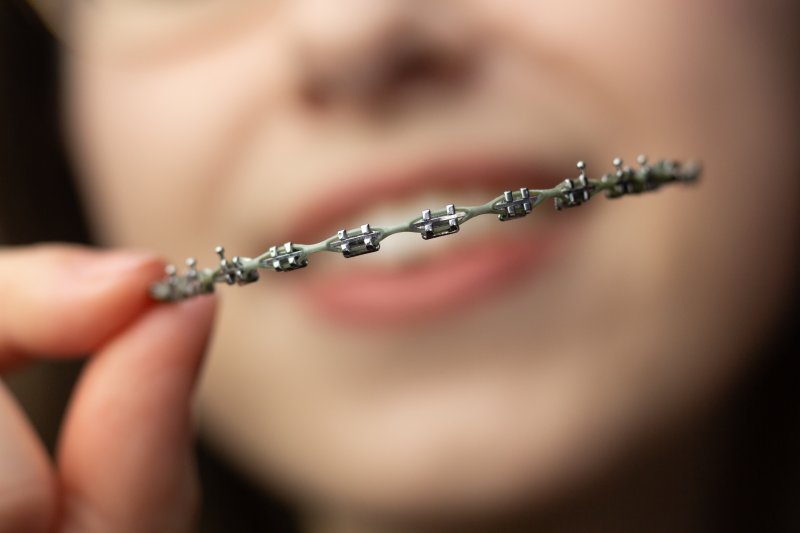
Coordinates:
[507,361]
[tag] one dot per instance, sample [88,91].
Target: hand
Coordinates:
[124,460]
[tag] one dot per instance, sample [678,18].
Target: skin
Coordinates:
[132,472]
[650,314]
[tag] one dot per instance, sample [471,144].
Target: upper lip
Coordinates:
[364,191]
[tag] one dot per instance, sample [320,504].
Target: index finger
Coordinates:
[65,300]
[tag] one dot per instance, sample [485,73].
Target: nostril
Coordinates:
[405,62]
[416,62]
[316,92]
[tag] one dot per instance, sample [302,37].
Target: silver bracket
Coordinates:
[685,173]
[621,187]
[576,192]
[514,207]
[648,178]
[623,183]
[439,225]
[244,274]
[367,242]
[285,258]
[227,270]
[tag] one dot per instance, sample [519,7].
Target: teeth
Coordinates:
[403,249]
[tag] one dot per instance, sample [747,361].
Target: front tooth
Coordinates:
[401,249]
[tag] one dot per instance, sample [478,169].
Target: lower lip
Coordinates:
[458,280]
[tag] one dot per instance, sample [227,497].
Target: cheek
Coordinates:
[165,134]
[141,141]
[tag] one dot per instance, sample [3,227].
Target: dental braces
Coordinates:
[511,205]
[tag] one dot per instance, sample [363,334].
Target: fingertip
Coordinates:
[193,315]
[69,300]
[200,308]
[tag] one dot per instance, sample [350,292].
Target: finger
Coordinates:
[68,300]
[27,484]
[124,458]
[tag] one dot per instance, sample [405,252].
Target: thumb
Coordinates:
[124,459]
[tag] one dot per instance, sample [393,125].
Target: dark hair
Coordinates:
[38,201]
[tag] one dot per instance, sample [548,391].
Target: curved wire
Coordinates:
[510,205]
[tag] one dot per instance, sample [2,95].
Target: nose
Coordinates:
[375,54]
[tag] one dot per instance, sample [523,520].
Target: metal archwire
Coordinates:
[511,205]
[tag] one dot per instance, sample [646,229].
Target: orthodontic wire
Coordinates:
[366,239]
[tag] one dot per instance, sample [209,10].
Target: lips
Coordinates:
[455,281]
[379,294]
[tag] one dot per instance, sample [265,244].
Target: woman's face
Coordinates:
[512,358]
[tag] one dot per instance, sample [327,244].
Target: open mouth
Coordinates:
[409,280]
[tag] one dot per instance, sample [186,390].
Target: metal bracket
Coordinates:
[512,207]
[245,273]
[231,272]
[227,270]
[290,258]
[354,245]
[439,225]
[648,181]
[623,184]
[576,192]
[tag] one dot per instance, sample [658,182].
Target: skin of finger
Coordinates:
[67,299]
[28,498]
[124,458]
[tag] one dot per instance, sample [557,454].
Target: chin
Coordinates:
[452,450]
